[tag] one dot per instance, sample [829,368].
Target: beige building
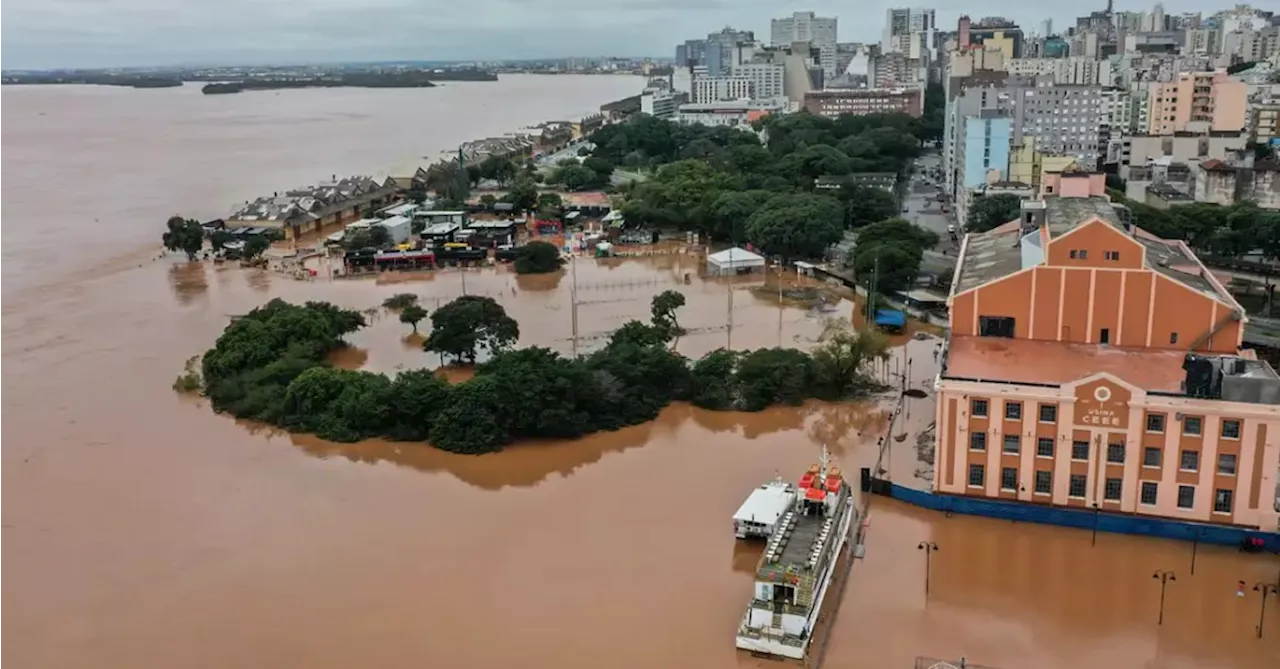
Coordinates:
[1226,184]
[1197,101]
[1180,147]
[1027,164]
[1264,126]
[1096,366]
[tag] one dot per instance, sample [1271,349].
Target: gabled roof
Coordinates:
[993,255]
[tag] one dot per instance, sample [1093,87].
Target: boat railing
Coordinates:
[780,637]
[770,605]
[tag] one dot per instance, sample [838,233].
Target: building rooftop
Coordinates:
[997,253]
[1056,363]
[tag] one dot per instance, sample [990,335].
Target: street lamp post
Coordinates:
[1263,588]
[1164,576]
[1195,545]
[929,549]
[1094,541]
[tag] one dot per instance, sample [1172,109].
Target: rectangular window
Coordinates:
[1115,453]
[1084,254]
[977,441]
[1111,255]
[1155,422]
[1077,486]
[1191,425]
[1151,456]
[1104,336]
[1190,461]
[978,408]
[997,326]
[1111,490]
[1013,410]
[1150,491]
[1044,447]
[1074,253]
[1230,429]
[977,473]
[1079,450]
[1048,413]
[1227,464]
[1186,496]
[1012,444]
[1044,482]
[1222,500]
[1173,337]
[1009,478]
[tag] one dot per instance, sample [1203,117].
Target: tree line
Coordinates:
[271,365]
[792,196]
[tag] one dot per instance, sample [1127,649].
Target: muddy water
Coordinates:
[143,530]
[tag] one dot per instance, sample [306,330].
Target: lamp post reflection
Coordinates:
[1164,576]
[929,549]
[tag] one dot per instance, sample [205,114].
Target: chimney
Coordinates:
[963,32]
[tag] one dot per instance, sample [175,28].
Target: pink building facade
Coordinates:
[1198,101]
[1091,364]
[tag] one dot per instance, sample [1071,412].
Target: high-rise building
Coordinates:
[910,32]
[820,32]
[1209,101]
[1001,33]
[767,79]
[721,88]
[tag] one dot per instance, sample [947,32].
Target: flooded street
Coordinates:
[142,530]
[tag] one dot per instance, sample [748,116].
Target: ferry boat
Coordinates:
[798,563]
[764,507]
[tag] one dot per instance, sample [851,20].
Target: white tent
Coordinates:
[734,261]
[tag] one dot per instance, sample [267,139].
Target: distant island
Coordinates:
[393,79]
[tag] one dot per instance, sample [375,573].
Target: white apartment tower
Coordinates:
[818,31]
[909,32]
[720,89]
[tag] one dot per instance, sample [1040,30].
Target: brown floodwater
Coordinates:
[143,530]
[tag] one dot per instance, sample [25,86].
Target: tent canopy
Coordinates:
[736,258]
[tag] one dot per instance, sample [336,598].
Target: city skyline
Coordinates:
[145,33]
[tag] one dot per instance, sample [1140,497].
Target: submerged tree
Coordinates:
[400,301]
[184,235]
[663,307]
[840,359]
[471,322]
[411,314]
[537,257]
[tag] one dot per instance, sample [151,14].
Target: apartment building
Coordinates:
[719,88]
[910,32]
[661,102]
[768,80]
[1264,122]
[1197,100]
[835,102]
[1226,183]
[982,156]
[1071,70]
[818,31]
[1093,365]
[730,113]
[1186,148]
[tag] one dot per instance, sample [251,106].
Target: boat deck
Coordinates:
[800,542]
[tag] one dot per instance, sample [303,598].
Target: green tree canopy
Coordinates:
[867,205]
[468,324]
[797,225]
[412,314]
[537,257]
[992,212]
[184,235]
[892,250]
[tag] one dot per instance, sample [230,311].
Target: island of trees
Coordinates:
[272,365]
[95,78]
[412,79]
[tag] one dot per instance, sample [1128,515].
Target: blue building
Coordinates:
[984,146]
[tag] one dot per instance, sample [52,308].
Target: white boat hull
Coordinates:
[776,646]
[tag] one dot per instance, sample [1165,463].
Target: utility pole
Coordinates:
[781,269]
[1263,588]
[573,298]
[732,271]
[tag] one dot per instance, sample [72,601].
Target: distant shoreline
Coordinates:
[225,83]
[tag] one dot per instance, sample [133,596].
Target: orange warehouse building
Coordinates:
[1092,364]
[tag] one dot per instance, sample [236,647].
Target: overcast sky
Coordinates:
[116,33]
